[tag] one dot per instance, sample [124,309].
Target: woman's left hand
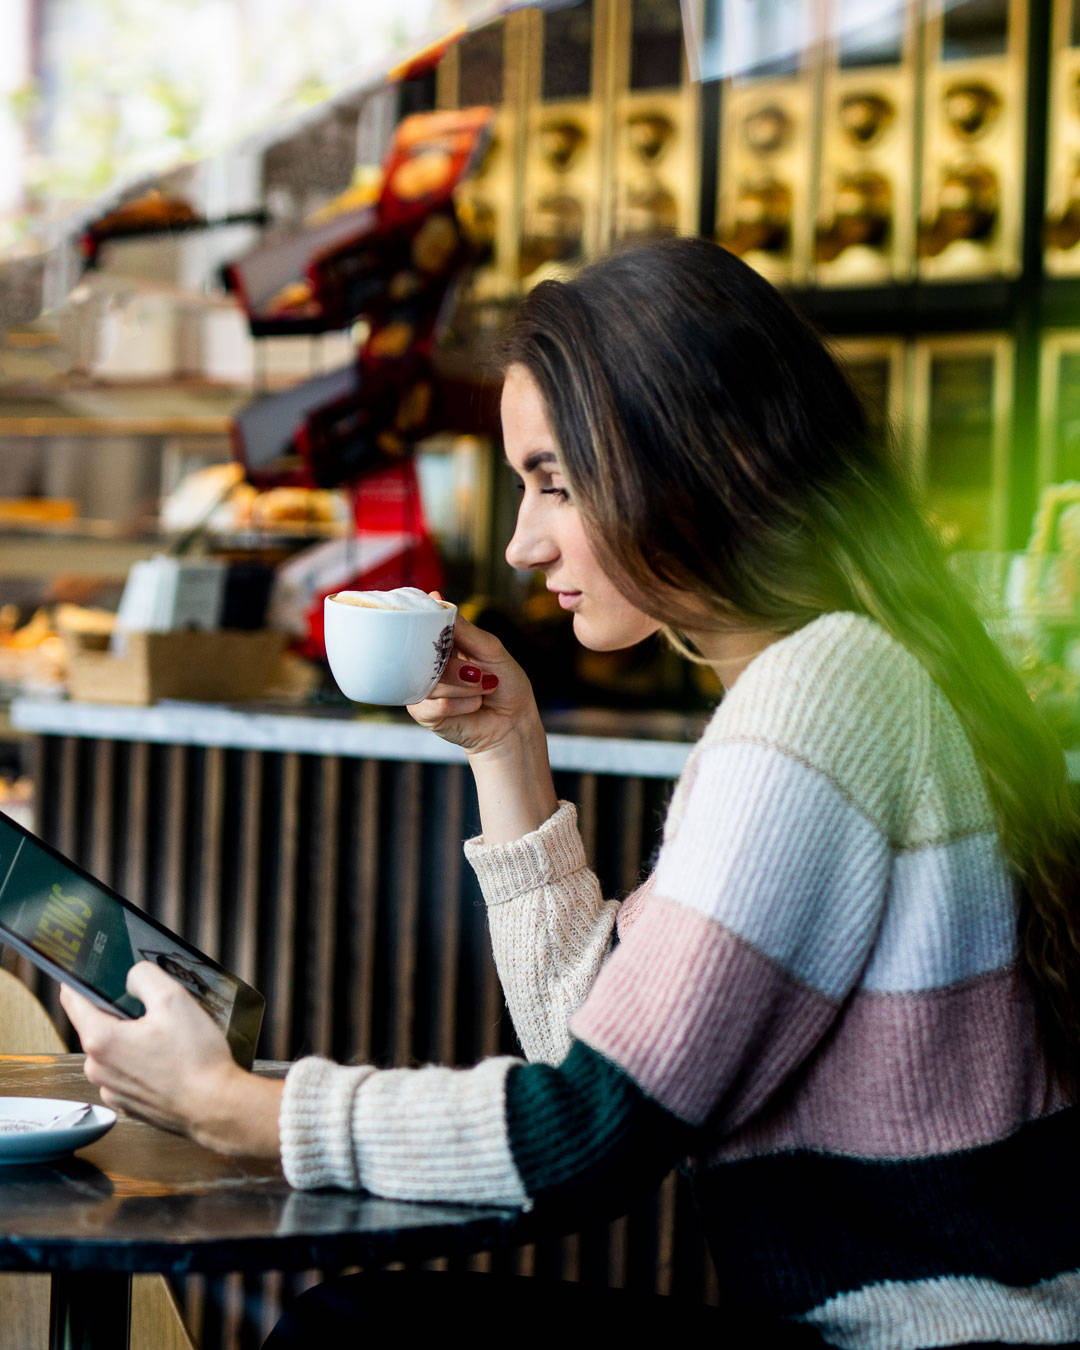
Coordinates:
[173,1067]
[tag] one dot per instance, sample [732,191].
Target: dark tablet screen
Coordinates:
[83,930]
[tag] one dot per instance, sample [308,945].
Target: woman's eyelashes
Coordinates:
[562,493]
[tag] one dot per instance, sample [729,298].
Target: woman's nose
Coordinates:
[530,545]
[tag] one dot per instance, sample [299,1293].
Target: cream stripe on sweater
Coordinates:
[412,1134]
[550,928]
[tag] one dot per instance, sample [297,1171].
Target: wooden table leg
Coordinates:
[90,1311]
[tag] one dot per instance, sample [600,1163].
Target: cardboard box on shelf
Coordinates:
[222,667]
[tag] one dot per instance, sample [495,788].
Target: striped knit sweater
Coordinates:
[815,997]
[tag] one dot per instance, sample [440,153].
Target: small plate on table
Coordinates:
[33,1129]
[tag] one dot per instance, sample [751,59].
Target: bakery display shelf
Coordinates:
[44,553]
[150,533]
[149,409]
[152,230]
[68,425]
[67,384]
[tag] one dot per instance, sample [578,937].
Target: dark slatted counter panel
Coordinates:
[337,886]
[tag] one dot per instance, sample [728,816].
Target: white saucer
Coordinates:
[42,1144]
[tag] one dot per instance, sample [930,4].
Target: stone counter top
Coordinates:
[645,745]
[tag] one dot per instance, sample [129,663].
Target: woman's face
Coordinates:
[550,534]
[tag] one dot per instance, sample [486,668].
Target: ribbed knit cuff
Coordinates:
[411,1134]
[547,855]
[438,1134]
[315,1123]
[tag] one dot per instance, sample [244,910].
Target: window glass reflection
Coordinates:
[568,53]
[481,78]
[870,35]
[656,44]
[974,28]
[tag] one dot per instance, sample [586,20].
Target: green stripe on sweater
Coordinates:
[584,1133]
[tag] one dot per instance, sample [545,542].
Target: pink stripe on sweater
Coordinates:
[909,1075]
[715,1031]
[697,1017]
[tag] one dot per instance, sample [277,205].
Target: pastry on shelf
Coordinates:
[153,210]
[86,620]
[219,499]
[32,655]
[281,506]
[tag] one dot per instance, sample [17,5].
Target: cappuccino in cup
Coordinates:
[387,647]
[405,597]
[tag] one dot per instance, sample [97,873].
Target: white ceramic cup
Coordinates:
[390,656]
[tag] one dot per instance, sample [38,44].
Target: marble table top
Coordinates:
[140,1199]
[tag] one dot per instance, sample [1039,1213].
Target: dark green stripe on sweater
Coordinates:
[800,1227]
[584,1136]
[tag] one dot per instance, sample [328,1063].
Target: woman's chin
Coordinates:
[587,635]
[604,638]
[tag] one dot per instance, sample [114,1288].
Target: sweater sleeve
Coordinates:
[580,1137]
[410,1134]
[563,1129]
[551,929]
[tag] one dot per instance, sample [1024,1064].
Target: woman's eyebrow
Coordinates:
[537,458]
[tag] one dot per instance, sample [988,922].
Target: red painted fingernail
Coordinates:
[470,674]
[489,682]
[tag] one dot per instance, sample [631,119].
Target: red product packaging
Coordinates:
[391,547]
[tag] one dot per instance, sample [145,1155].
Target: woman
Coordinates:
[850,990]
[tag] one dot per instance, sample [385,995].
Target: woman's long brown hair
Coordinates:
[716,451]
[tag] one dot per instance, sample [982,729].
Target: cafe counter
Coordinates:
[653,745]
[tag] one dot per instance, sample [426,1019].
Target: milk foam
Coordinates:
[405,597]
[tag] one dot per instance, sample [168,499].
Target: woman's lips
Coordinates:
[568,599]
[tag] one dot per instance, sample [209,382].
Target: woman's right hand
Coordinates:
[484,699]
[485,704]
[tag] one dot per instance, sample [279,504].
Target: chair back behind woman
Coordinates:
[25,1027]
